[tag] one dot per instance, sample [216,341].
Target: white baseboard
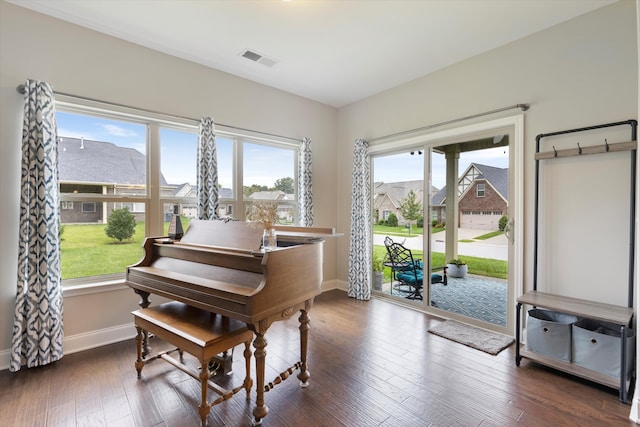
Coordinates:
[634,415]
[342,284]
[84,341]
[93,339]
[330,285]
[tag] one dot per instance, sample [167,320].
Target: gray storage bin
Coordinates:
[597,346]
[549,333]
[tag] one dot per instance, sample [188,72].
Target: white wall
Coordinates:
[82,62]
[579,73]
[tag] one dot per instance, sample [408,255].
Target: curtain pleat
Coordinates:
[305,195]
[37,327]
[360,266]
[207,165]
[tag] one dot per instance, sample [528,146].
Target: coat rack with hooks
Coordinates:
[597,311]
[606,147]
[595,149]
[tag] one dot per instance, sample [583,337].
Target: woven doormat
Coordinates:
[480,339]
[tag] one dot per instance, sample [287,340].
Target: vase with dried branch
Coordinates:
[265,214]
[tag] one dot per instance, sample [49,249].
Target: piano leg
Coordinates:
[261,410]
[260,343]
[304,374]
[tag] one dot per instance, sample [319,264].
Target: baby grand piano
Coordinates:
[219,266]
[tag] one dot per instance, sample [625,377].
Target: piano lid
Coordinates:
[237,235]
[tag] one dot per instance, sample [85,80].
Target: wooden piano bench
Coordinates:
[200,333]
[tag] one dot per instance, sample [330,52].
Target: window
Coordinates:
[102,163]
[480,190]
[88,207]
[133,207]
[269,176]
[110,160]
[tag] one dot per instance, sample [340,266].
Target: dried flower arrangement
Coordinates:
[263,213]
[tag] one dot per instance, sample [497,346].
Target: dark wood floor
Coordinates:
[372,364]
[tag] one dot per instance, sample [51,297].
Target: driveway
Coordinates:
[494,248]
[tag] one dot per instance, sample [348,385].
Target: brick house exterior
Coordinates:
[483,192]
[484,197]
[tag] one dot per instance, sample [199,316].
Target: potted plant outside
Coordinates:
[378,267]
[457,268]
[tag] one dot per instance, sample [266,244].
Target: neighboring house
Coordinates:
[483,198]
[224,209]
[284,211]
[190,210]
[483,193]
[387,198]
[96,167]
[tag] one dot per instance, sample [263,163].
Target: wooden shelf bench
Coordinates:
[200,333]
[614,314]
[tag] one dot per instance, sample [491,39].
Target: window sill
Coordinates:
[86,288]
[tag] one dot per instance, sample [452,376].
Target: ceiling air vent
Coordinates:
[258,57]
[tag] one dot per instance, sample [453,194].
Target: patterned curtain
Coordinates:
[37,325]
[207,165]
[305,195]
[360,240]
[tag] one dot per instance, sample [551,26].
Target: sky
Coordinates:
[264,165]
[407,167]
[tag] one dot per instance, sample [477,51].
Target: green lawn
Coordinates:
[86,250]
[480,266]
[402,231]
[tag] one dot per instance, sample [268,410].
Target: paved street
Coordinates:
[494,248]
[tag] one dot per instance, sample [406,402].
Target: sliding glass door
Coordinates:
[399,200]
[452,199]
[471,212]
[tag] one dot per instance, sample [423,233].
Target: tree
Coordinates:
[392,220]
[502,224]
[285,185]
[254,188]
[121,224]
[410,208]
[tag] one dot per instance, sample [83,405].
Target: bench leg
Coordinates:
[248,382]
[204,380]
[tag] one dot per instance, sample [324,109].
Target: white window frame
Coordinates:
[152,200]
[480,190]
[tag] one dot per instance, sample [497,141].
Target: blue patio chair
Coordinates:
[407,271]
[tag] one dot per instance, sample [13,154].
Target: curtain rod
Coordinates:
[22,90]
[523,107]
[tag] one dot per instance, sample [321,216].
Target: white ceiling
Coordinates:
[332,51]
